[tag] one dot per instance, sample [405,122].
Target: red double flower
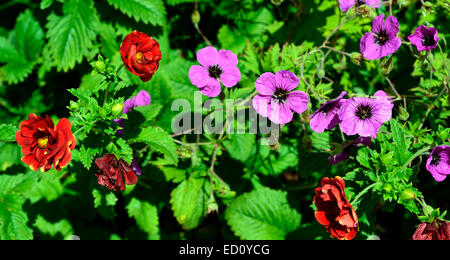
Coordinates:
[140,54]
[333,209]
[113,172]
[436,230]
[43,145]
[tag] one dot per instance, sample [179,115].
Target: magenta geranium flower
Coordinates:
[364,116]
[348,148]
[141,99]
[326,117]
[276,99]
[344,5]
[438,163]
[383,40]
[424,38]
[216,66]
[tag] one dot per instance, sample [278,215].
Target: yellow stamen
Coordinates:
[42,142]
[139,57]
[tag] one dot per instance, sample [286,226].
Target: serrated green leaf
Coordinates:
[173,174]
[160,141]
[28,37]
[71,35]
[263,214]
[189,202]
[241,146]
[400,148]
[62,227]
[146,216]
[147,11]
[8,132]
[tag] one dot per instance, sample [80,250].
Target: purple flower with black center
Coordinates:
[383,40]
[276,99]
[424,38]
[363,116]
[344,5]
[326,117]
[136,168]
[438,163]
[216,66]
[348,148]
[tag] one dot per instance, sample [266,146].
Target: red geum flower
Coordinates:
[112,173]
[333,209]
[140,54]
[436,230]
[43,144]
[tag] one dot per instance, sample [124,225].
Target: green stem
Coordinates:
[368,188]
[414,156]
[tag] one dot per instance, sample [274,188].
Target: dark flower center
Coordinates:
[381,37]
[280,94]
[215,71]
[327,108]
[359,3]
[364,112]
[428,40]
[436,159]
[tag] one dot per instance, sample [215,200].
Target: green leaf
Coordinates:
[401,152]
[8,132]
[23,49]
[277,163]
[160,141]
[62,227]
[48,187]
[241,146]
[13,220]
[28,36]
[46,4]
[71,36]
[189,202]
[147,11]
[174,174]
[146,216]
[105,201]
[263,214]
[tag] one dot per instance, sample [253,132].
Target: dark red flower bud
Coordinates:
[437,230]
[333,209]
[140,54]
[112,173]
[43,144]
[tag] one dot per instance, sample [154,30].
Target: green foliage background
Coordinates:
[260,192]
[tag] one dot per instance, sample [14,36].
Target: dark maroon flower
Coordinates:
[437,230]
[112,173]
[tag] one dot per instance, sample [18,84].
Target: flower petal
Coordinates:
[286,80]
[266,84]
[262,105]
[208,56]
[280,113]
[230,76]
[211,88]
[297,101]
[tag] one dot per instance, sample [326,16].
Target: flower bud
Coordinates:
[387,187]
[407,195]
[212,206]
[403,113]
[195,17]
[356,58]
[100,66]
[117,109]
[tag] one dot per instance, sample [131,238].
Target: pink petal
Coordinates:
[344,5]
[230,76]
[208,56]
[262,105]
[280,113]
[297,101]
[286,80]
[211,88]
[266,84]
[227,58]
[198,75]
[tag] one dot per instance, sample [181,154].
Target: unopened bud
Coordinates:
[407,195]
[100,66]
[356,58]
[117,109]
[403,113]
[196,17]
[387,187]
[212,206]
